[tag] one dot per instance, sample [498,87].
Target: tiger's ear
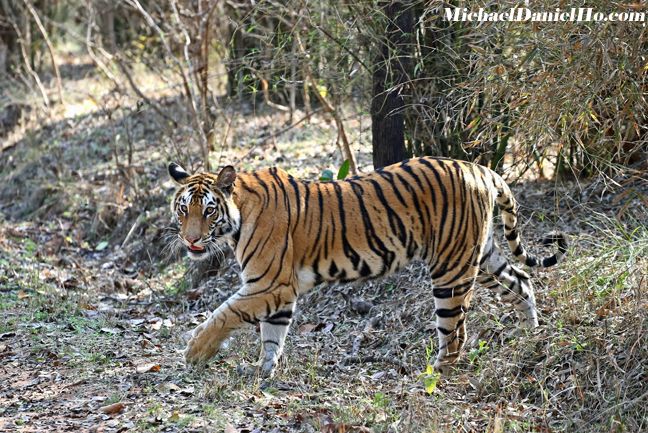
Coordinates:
[178,174]
[226,178]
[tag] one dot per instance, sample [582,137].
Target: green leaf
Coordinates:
[344,170]
[101,246]
[430,379]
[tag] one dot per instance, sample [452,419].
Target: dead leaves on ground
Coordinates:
[149,367]
[112,409]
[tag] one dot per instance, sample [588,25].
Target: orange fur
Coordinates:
[290,235]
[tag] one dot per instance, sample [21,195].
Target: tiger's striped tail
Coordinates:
[508,206]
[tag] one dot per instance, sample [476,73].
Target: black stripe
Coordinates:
[499,271]
[284,314]
[485,257]
[531,262]
[444,331]
[389,177]
[349,252]
[395,222]
[449,312]
[278,322]
[549,261]
[333,269]
[518,250]
[376,244]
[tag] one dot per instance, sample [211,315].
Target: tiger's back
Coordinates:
[291,235]
[372,225]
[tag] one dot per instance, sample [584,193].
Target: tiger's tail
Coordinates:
[508,206]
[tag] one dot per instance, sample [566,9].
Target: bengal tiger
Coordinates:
[289,235]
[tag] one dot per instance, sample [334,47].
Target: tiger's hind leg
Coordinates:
[451,303]
[511,283]
[274,329]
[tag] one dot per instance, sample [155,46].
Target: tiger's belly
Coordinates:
[353,265]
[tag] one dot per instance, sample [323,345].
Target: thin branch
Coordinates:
[25,56]
[141,94]
[347,153]
[90,49]
[48,43]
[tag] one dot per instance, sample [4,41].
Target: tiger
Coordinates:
[290,235]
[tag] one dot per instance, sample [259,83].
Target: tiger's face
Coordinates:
[204,210]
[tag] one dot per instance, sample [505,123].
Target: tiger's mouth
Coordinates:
[196,252]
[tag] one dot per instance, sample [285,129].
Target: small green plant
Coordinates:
[577,345]
[30,247]
[476,353]
[114,398]
[429,377]
[380,400]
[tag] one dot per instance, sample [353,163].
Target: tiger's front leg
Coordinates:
[270,308]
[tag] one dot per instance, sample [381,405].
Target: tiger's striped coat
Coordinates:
[290,235]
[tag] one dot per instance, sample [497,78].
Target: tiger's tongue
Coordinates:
[195,248]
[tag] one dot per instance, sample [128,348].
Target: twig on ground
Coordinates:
[368,327]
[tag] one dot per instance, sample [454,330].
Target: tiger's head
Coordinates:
[204,210]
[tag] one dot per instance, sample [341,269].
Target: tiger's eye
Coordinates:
[183,209]
[210,210]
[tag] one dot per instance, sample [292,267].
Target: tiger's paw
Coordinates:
[254,370]
[202,346]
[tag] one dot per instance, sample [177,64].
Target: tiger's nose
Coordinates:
[192,239]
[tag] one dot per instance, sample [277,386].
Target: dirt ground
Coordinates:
[94,316]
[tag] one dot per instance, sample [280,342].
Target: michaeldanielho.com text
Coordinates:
[556,15]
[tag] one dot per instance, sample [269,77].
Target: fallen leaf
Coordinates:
[112,408]
[136,322]
[71,283]
[148,368]
[229,428]
[307,328]
[155,324]
[22,294]
[192,295]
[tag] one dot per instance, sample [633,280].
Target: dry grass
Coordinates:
[80,316]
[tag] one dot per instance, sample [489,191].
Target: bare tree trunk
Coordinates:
[391,72]
[107,25]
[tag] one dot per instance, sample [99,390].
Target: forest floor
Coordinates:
[94,317]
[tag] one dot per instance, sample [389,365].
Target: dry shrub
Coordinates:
[585,369]
[569,93]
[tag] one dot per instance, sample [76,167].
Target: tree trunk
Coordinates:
[391,71]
